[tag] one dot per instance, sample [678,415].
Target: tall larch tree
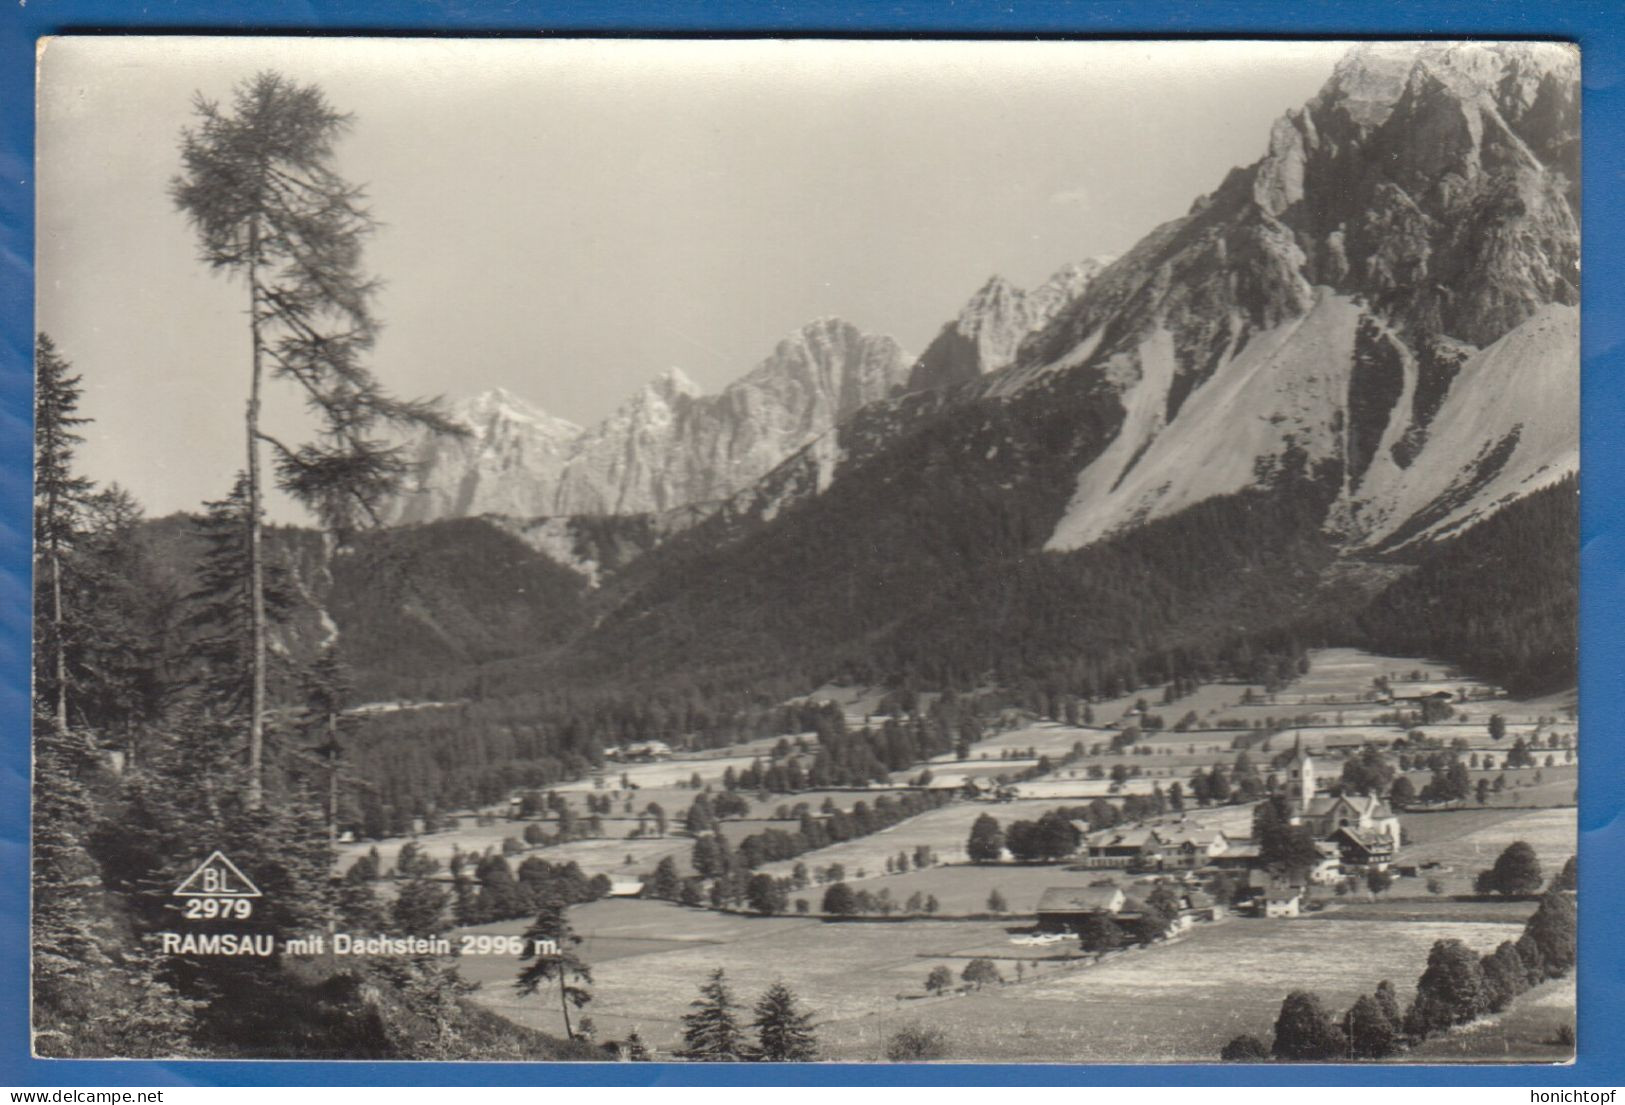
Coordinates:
[259,187]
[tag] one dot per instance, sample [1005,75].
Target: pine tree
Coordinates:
[1568,878]
[356,903]
[711,1030]
[259,188]
[420,908]
[1552,931]
[189,798]
[434,991]
[783,1033]
[327,691]
[220,617]
[551,944]
[65,877]
[666,885]
[59,498]
[124,611]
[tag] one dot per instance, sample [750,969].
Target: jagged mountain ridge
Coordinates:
[1334,304]
[989,330]
[1292,337]
[1334,298]
[509,463]
[666,447]
[1375,324]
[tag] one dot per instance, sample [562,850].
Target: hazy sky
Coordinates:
[566,219]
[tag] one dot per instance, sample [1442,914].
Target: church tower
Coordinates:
[1300,777]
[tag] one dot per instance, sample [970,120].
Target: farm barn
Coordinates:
[1062,907]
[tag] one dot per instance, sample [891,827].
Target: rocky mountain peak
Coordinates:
[500,404]
[668,445]
[1064,285]
[672,384]
[1417,211]
[1367,82]
[989,329]
[996,297]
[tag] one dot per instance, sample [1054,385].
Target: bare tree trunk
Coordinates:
[256,572]
[59,646]
[564,1004]
[332,781]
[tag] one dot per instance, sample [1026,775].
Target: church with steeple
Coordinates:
[1364,827]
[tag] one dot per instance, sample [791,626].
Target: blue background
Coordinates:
[1598,27]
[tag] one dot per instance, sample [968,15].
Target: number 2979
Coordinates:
[211,909]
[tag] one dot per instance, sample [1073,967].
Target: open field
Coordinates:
[964,888]
[1468,841]
[1351,672]
[1062,787]
[1524,1033]
[1206,745]
[1340,674]
[658,955]
[1042,738]
[1333,704]
[604,855]
[1178,1001]
[607,855]
[1394,908]
[945,830]
[860,703]
[1175,1002]
[666,773]
[1556,788]
[1070,782]
[597,854]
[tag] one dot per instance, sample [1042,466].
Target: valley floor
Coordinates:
[1176,1001]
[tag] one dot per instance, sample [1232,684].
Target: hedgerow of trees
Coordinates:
[1456,987]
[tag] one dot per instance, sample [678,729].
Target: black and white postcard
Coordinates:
[845,551]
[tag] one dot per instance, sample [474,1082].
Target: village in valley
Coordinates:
[1145,877]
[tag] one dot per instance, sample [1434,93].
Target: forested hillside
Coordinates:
[189,693]
[1502,600]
